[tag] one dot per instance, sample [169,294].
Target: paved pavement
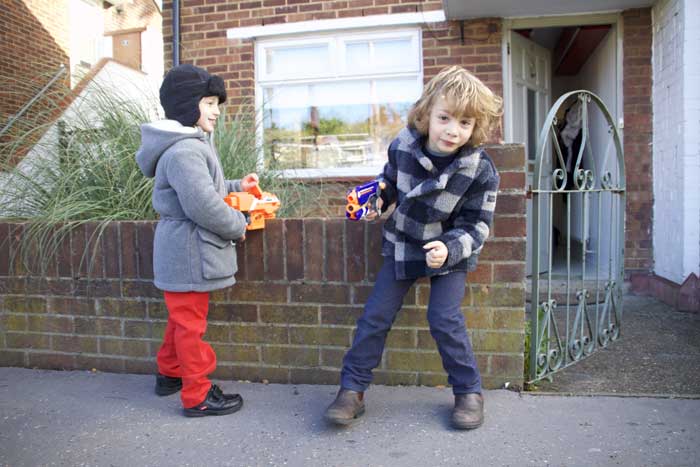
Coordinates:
[636,403]
[657,354]
[101,419]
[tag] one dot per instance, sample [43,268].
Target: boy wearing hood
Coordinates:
[194,242]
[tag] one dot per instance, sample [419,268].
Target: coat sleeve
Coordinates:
[189,176]
[388,176]
[473,220]
[233,186]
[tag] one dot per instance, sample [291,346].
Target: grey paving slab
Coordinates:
[658,353]
[100,419]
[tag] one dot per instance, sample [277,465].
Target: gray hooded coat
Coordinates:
[193,247]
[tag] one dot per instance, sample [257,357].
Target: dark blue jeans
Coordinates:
[446,326]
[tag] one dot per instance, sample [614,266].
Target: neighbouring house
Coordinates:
[332,82]
[43,39]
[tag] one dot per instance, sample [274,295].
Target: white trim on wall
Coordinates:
[317,26]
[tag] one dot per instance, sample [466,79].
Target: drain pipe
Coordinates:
[176,32]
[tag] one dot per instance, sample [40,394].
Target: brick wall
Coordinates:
[301,286]
[203,25]
[637,84]
[33,44]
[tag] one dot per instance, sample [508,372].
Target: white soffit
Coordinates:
[464,9]
[398,19]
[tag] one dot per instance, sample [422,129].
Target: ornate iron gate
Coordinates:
[577,262]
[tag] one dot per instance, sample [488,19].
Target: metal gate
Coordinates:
[577,235]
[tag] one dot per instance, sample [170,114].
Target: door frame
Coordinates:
[560,21]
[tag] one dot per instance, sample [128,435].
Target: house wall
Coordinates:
[107,80]
[204,24]
[691,138]
[669,205]
[676,140]
[35,42]
[140,14]
[637,108]
[302,284]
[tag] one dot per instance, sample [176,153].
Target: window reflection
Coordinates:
[341,124]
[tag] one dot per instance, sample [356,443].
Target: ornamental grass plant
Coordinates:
[61,168]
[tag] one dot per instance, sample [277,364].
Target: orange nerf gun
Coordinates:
[256,205]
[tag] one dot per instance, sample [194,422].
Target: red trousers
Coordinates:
[184,354]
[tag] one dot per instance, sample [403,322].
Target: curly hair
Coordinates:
[466,96]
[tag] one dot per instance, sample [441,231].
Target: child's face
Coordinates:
[208,113]
[447,133]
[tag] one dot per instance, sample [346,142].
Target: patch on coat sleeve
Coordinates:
[467,243]
[489,202]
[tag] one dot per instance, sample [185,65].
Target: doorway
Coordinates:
[544,58]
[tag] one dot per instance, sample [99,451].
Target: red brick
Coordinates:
[509,226]
[482,275]
[111,250]
[510,204]
[128,250]
[259,292]
[510,157]
[294,249]
[355,255]
[320,293]
[78,257]
[274,250]
[313,249]
[335,253]
[504,250]
[4,249]
[254,255]
[509,272]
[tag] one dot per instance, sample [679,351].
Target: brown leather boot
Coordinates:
[468,412]
[346,408]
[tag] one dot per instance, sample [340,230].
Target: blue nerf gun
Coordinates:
[362,200]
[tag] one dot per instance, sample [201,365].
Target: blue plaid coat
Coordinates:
[455,206]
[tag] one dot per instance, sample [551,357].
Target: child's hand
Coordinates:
[370,216]
[436,255]
[249,181]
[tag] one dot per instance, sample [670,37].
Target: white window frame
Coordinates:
[337,41]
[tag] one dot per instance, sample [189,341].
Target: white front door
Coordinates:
[530,94]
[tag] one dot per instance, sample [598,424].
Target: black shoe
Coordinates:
[216,403]
[166,385]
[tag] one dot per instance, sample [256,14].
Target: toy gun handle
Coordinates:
[362,200]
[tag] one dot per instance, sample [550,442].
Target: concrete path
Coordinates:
[658,353]
[101,419]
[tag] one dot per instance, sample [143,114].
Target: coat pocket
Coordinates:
[218,256]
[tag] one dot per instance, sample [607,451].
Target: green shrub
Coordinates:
[82,166]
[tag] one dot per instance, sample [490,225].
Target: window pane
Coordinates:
[356,56]
[341,124]
[531,125]
[305,59]
[394,54]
